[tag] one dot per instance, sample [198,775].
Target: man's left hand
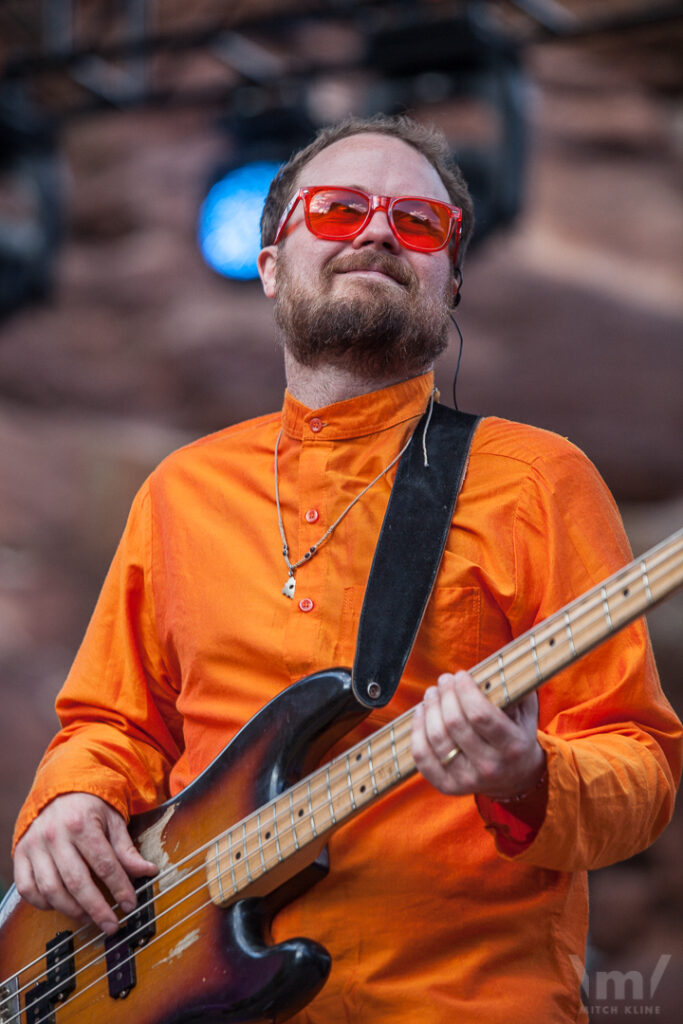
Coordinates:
[499,754]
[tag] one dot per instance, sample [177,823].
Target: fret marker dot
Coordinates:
[358,757]
[301,813]
[238,855]
[267,835]
[487,686]
[551,642]
[362,789]
[625,592]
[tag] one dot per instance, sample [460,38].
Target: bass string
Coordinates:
[283,833]
[488,672]
[340,762]
[46,1019]
[100,958]
[158,915]
[401,737]
[162,913]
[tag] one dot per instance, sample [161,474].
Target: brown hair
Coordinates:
[428,141]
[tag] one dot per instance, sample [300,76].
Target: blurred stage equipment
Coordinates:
[277,72]
[414,57]
[30,204]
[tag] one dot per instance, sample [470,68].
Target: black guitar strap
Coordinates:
[409,550]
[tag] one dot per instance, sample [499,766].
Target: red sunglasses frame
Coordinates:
[386,203]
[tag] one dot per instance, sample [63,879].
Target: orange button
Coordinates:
[305,604]
[316,425]
[312,515]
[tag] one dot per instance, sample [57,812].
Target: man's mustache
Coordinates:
[368,259]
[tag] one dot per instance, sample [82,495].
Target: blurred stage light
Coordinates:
[229,236]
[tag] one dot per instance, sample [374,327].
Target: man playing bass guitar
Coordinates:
[461,895]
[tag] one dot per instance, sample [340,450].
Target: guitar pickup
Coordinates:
[60,980]
[120,948]
[141,923]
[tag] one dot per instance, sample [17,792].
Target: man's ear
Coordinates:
[457,287]
[266,263]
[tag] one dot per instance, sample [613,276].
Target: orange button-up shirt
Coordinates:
[431,914]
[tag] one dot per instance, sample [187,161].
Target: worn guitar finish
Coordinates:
[204,962]
[249,834]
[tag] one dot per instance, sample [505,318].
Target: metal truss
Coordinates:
[68,70]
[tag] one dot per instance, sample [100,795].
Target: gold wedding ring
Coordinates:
[445,761]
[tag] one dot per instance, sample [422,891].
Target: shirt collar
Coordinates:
[357,417]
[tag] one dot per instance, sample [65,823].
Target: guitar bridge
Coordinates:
[9,1000]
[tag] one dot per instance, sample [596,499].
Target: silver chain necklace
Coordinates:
[290,583]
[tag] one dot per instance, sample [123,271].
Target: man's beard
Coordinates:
[381,330]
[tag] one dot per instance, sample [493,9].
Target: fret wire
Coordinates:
[329,796]
[616,584]
[646,581]
[627,579]
[219,873]
[655,560]
[403,721]
[199,851]
[605,605]
[175,925]
[260,841]
[532,641]
[311,815]
[236,885]
[501,668]
[568,624]
[404,737]
[276,831]
[380,745]
[350,782]
[231,861]
[291,818]
[372,771]
[393,751]
[638,576]
[516,652]
[185,897]
[246,852]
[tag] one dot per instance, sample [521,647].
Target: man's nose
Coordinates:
[377,232]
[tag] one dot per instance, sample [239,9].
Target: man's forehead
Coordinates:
[378,162]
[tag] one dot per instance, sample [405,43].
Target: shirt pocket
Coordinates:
[448,639]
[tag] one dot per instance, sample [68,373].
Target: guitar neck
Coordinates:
[309,811]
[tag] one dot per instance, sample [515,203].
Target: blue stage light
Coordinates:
[228,228]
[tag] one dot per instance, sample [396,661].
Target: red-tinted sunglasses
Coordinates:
[337,214]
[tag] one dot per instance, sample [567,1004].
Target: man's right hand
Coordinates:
[74,835]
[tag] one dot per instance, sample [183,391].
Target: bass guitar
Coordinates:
[197,946]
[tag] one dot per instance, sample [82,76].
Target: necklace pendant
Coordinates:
[289,587]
